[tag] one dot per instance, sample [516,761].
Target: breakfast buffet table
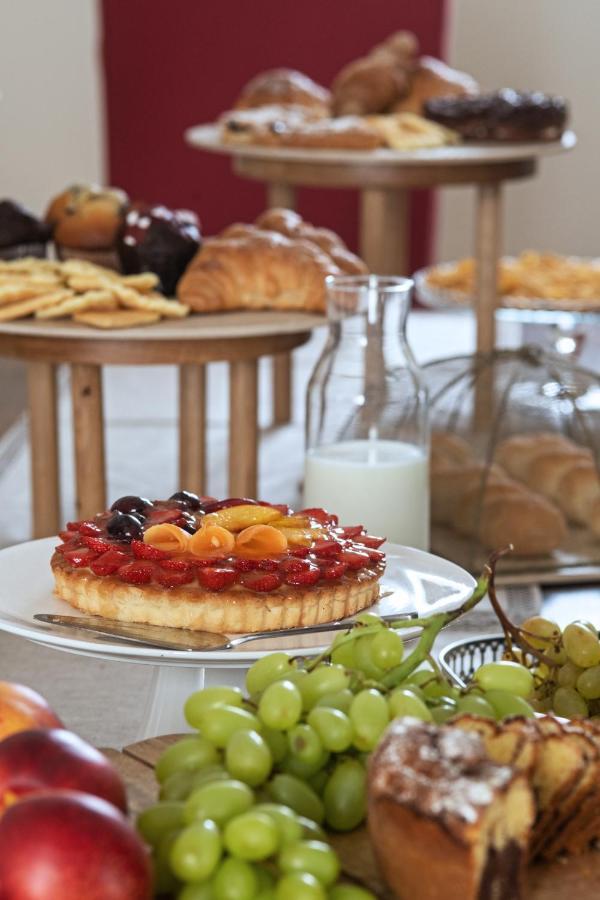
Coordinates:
[240,339]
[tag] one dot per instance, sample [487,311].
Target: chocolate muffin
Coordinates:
[160,240]
[504,115]
[21,233]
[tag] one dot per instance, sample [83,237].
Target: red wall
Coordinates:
[170,64]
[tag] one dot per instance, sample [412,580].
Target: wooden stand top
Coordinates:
[197,338]
[460,164]
[578,877]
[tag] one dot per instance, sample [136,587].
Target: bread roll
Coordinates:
[470,511]
[283,86]
[449,449]
[450,483]
[87,217]
[433,78]
[531,524]
[515,453]
[578,489]
[548,466]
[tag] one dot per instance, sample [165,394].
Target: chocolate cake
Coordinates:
[21,233]
[504,115]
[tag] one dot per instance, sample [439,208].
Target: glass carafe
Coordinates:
[367,433]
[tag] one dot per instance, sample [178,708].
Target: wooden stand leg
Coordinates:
[243,428]
[384,231]
[43,439]
[282,195]
[88,429]
[487,251]
[192,428]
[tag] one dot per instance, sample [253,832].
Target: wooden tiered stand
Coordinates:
[238,338]
[384,179]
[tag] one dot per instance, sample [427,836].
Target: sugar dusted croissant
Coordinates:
[261,270]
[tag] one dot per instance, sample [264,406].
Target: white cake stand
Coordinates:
[415,582]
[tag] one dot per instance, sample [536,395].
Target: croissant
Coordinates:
[260,270]
[433,78]
[559,469]
[283,86]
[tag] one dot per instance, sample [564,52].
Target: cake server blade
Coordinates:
[156,636]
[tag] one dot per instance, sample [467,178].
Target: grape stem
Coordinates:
[432,625]
[513,633]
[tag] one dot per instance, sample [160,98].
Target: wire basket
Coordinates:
[461,659]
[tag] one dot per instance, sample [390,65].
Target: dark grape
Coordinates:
[187,522]
[132,504]
[231,501]
[186,500]
[124,527]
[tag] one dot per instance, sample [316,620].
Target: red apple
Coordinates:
[43,759]
[65,845]
[21,708]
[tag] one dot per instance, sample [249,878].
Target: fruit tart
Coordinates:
[234,565]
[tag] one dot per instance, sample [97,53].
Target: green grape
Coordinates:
[367,618]
[442,713]
[292,792]
[318,781]
[296,676]
[253,836]
[310,830]
[438,689]
[582,645]
[588,683]
[265,879]
[216,772]
[293,765]
[557,654]
[340,700]
[235,879]
[276,742]
[505,704]
[176,787]
[342,654]
[421,676]
[568,703]
[201,891]
[219,801]
[476,705]
[333,727]
[248,757]
[158,820]
[364,659]
[266,894]
[197,704]
[369,715]
[220,722]
[404,702]
[299,886]
[185,756]
[280,706]
[315,857]
[304,743]
[345,796]
[504,676]
[387,649]
[286,820]
[540,704]
[196,851]
[266,670]
[163,877]
[349,892]
[568,674]
[325,679]
[541,633]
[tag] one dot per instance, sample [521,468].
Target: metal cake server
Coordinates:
[163,638]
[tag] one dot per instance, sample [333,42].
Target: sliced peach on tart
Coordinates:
[260,542]
[211,541]
[167,537]
[236,518]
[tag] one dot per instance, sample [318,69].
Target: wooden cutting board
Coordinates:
[572,879]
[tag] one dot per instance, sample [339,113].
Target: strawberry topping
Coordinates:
[327,549]
[355,559]
[108,563]
[146,551]
[137,572]
[369,540]
[309,574]
[331,571]
[90,529]
[97,544]
[215,578]
[261,581]
[319,515]
[171,578]
[178,565]
[80,557]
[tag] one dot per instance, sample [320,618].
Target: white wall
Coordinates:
[550,45]
[50,98]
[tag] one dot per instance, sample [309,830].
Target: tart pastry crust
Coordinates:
[232,611]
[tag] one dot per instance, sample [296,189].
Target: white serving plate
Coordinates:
[418,582]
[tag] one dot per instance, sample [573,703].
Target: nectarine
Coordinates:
[21,707]
[52,758]
[65,845]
